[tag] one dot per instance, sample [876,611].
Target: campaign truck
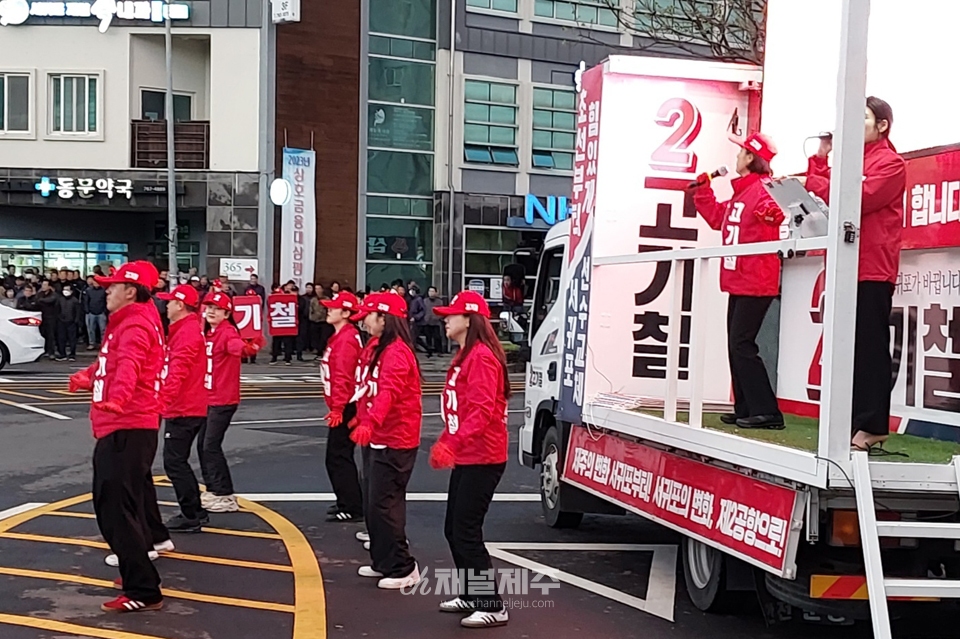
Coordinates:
[628,372]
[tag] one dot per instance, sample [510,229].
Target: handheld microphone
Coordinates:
[718,173]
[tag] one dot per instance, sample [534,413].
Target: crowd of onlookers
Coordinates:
[73,309]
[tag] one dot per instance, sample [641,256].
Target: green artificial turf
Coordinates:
[802,433]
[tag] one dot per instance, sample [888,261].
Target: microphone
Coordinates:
[718,173]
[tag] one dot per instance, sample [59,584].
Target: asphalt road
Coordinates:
[278,570]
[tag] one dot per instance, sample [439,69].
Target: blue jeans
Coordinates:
[96,327]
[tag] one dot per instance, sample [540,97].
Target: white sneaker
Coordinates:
[363,535]
[368,571]
[398,583]
[207,499]
[114,561]
[480,619]
[165,546]
[366,545]
[223,504]
[457,605]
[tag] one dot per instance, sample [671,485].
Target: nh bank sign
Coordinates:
[18,12]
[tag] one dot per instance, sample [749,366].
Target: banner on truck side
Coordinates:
[754,520]
[298,234]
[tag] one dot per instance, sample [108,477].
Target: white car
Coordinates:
[20,339]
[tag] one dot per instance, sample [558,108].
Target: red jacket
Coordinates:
[222,379]
[393,405]
[750,216]
[474,409]
[881,213]
[339,367]
[127,372]
[363,375]
[182,394]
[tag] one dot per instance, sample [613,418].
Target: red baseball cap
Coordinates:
[760,144]
[465,303]
[139,272]
[220,300]
[366,306]
[183,293]
[389,304]
[343,300]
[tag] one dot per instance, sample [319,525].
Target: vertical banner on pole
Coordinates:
[298,241]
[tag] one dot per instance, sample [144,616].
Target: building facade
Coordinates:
[83,133]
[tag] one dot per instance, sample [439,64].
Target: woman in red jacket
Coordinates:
[881,223]
[390,426]
[359,397]
[225,348]
[474,444]
[753,281]
[338,369]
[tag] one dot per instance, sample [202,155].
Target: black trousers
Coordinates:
[872,365]
[66,339]
[390,471]
[341,467]
[177,442]
[365,478]
[121,468]
[752,393]
[48,328]
[285,345]
[213,463]
[431,334]
[468,499]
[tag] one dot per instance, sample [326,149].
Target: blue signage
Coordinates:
[552,209]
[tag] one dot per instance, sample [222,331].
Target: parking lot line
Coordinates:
[34,409]
[216,531]
[69,628]
[19,394]
[174,594]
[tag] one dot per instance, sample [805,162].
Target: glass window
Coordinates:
[599,12]
[106,248]
[491,240]
[398,172]
[21,244]
[548,286]
[397,126]
[554,128]
[14,102]
[74,103]
[490,119]
[153,106]
[401,81]
[64,246]
[416,18]
[379,274]
[485,263]
[400,239]
[402,48]
[497,5]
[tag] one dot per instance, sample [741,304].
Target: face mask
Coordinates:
[67,293]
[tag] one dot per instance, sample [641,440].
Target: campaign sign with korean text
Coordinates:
[657,135]
[282,317]
[932,211]
[298,234]
[749,518]
[248,313]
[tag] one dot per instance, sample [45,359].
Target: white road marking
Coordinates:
[34,409]
[4,380]
[661,586]
[16,510]
[308,497]
[292,420]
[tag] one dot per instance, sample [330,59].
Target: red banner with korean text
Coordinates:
[248,313]
[746,517]
[932,207]
[282,317]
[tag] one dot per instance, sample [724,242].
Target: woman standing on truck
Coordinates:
[474,444]
[753,281]
[881,222]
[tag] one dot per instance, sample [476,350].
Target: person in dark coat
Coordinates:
[69,319]
[46,301]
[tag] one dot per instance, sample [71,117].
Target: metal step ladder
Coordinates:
[878,586]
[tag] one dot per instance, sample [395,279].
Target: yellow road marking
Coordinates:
[217,531]
[175,594]
[16,520]
[27,395]
[69,628]
[203,559]
[310,606]
[173,504]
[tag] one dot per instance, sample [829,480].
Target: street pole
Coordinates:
[171,158]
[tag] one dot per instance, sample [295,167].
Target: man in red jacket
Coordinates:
[183,403]
[125,415]
[338,368]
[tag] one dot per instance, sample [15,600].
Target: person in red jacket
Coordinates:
[881,224]
[753,281]
[224,348]
[183,406]
[125,416]
[338,369]
[474,444]
[390,426]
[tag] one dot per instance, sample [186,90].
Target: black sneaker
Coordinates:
[60,359]
[181,524]
[72,359]
[333,510]
[729,418]
[769,422]
[344,517]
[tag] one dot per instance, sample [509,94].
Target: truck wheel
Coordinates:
[550,487]
[703,572]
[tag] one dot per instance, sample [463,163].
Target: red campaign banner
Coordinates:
[248,313]
[932,201]
[748,517]
[282,316]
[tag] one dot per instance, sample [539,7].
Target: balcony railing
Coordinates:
[148,144]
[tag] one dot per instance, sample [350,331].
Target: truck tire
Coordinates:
[551,493]
[704,569]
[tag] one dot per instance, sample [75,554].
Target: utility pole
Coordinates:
[171,158]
